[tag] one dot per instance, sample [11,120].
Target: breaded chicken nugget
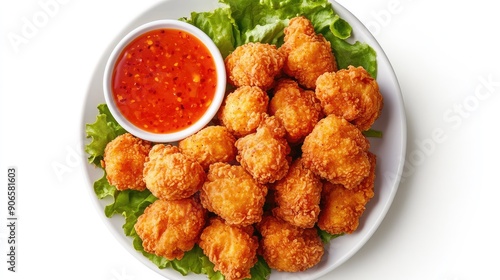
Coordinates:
[254,64]
[210,145]
[341,208]
[297,109]
[232,249]
[171,175]
[336,151]
[289,248]
[352,94]
[123,161]
[308,55]
[233,194]
[264,154]
[298,196]
[168,228]
[243,110]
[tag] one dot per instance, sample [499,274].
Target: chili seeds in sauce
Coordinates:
[164,80]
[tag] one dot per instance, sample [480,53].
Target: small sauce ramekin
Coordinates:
[196,125]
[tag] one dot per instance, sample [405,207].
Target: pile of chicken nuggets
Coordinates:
[285,156]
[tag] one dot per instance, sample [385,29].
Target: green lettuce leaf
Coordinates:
[191,262]
[357,54]
[327,237]
[102,188]
[102,131]
[129,203]
[260,270]
[340,28]
[208,269]
[373,133]
[218,25]
[258,21]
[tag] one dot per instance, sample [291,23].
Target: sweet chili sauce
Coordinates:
[164,80]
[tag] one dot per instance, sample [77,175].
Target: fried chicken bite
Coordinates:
[298,196]
[123,162]
[264,154]
[171,175]
[336,151]
[233,194]
[352,94]
[289,248]
[297,109]
[341,208]
[254,64]
[168,228]
[232,249]
[308,55]
[243,110]
[210,145]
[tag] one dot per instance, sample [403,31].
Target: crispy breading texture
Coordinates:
[210,145]
[341,208]
[123,161]
[254,64]
[243,110]
[336,151]
[298,196]
[289,248]
[233,194]
[308,55]
[168,228]
[264,154]
[232,249]
[297,109]
[352,94]
[171,175]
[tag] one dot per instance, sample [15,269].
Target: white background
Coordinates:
[442,225]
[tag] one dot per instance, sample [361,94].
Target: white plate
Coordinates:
[390,150]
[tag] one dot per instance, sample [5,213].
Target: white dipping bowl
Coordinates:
[189,130]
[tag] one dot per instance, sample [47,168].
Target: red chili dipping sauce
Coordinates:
[164,80]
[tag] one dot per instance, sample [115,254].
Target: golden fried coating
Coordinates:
[289,248]
[243,110]
[170,175]
[233,194]
[297,109]
[232,249]
[341,208]
[308,55]
[254,64]
[352,94]
[264,154]
[298,196]
[336,151]
[123,161]
[168,228]
[210,145]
